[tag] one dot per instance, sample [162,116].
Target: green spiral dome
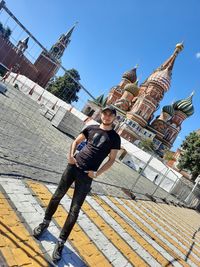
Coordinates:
[168,109]
[185,105]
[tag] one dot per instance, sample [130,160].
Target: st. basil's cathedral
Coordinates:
[136,106]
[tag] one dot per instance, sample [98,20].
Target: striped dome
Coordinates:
[168,109]
[185,105]
[130,75]
[162,78]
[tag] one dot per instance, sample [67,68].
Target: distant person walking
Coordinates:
[102,141]
[155,178]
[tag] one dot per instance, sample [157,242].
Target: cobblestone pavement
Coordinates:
[112,229]
[31,147]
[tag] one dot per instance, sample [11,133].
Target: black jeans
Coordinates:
[82,188]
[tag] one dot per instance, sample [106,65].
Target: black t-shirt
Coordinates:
[98,147]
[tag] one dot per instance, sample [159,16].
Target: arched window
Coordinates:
[91,113]
[87,111]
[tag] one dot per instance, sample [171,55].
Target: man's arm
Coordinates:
[106,165]
[71,159]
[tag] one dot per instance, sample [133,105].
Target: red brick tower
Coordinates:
[48,64]
[22,45]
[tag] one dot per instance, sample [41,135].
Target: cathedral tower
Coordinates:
[182,110]
[152,91]
[117,91]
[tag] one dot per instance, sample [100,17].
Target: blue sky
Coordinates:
[114,35]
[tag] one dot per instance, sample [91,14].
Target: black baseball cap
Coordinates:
[111,108]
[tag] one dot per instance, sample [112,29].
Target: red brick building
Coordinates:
[136,106]
[45,66]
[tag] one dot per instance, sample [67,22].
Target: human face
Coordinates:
[107,117]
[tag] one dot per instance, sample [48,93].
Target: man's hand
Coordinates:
[92,174]
[81,137]
[72,160]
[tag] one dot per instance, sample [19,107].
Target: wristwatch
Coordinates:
[95,174]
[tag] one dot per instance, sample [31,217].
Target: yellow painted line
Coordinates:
[181,217]
[16,244]
[111,234]
[162,208]
[174,216]
[173,220]
[168,238]
[166,222]
[87,250]
[140,240]
[150,233]
[183,220]
[182,214]
[161,212]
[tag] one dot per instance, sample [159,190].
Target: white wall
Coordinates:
[137,158]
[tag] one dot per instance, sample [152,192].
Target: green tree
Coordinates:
[168,155]
[5,32]
[1,28]
[65,87]
[147,145]
[190,156]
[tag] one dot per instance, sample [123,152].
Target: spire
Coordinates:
[169,63]
[100,100]
[22,45]
[25,41]
[69,33]
[58,49]
[162,75]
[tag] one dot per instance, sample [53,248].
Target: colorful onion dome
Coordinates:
[185,105]
[130,75]
[168,109]
[132,88]
[162,78]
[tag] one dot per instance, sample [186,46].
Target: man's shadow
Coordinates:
[68,256]
[192,245]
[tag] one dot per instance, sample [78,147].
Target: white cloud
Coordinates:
[198,55]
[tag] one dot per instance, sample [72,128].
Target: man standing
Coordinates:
[102,141]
